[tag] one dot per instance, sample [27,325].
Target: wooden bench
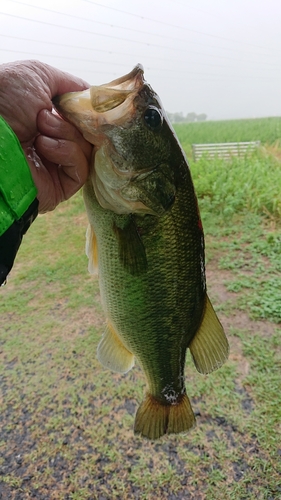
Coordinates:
[224,149]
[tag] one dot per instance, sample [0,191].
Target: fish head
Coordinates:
[132,169]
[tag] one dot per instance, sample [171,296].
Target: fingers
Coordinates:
[62,144]
[71,161]
[51,125]
[65,153]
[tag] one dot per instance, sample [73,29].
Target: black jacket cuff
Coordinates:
[10,241]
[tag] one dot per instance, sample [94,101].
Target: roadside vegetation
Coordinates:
[67,424]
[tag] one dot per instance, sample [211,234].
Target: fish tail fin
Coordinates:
[209,348]
[154,419]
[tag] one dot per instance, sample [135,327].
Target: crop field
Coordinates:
[266,130]
[67,423]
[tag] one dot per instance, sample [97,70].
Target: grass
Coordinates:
[66,423]
[255,264]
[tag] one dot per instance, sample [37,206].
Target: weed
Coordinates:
[249,184]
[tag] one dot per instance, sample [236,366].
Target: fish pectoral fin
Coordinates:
[154,419]
[91,250]
[131,248]
[209,348]
[112,353]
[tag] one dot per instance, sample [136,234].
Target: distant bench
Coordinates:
[224,149]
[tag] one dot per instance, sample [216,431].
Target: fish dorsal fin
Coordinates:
[209,347]
[131,248]
[91,250]
[112,353]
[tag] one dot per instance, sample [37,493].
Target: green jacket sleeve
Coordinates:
[18,203]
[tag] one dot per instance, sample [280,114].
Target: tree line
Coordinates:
[190,117]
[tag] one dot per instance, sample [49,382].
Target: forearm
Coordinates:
[18,203]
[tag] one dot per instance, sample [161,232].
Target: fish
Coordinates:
[145,241]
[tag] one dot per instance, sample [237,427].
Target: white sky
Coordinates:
[219,57]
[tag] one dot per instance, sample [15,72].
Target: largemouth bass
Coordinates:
[146,240]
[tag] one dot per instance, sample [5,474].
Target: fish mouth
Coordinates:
[130,81]
[108,104]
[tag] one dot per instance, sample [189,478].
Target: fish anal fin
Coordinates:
[154,419]
[91,250]
[131,248]
[209,347]
[112,353]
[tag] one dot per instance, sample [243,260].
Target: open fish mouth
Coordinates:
[107,104]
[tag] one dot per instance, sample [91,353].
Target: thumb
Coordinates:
[59,82]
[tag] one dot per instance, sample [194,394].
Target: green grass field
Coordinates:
[266,130]
[66,422]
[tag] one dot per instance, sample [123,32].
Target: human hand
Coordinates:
[57,153]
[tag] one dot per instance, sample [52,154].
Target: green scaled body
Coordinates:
[146,241]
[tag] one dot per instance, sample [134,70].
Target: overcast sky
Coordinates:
[219,57]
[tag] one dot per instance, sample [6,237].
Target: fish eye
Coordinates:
[153,118]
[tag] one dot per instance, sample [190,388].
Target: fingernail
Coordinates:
[51,118]
[49,142]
